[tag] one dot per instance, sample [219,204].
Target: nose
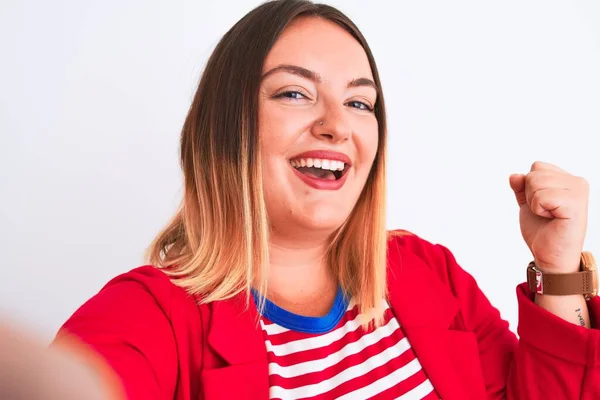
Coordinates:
[332,126]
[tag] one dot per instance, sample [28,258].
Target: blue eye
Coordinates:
[360,105]
[291,94]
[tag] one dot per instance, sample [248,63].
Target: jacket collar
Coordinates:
[417,296]
[240,368]
[427,310]
[234,331]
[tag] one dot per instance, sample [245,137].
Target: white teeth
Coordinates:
[332,165]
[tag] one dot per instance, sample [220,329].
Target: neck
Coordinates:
[300,279]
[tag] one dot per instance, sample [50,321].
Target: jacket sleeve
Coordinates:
[551,359]
[126,326]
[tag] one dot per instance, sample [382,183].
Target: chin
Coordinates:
[327,220]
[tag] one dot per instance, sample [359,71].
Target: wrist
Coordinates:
[562,267]
[565,279]
[571,308]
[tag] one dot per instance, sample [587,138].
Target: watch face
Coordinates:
[588,261]
[589,264]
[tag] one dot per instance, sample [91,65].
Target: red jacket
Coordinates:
[163,345]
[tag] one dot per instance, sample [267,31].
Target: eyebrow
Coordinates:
[363,82]
[315,77]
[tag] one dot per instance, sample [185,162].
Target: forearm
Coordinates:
[30,370]
[570,308]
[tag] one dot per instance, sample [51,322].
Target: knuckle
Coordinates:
[536,202]
[537,165]
[532,179]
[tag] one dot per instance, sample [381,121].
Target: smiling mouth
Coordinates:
[323,169]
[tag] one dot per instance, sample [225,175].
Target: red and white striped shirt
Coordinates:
[333,357]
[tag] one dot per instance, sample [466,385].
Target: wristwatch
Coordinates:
[584,282]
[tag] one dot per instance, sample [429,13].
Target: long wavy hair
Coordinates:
[216,245]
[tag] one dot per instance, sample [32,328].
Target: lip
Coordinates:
[324,154]
[323,184]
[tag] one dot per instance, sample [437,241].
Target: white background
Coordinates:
[93,95]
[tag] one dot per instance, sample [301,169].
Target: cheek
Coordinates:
[270,138]
[272,126]
[265,125]
[280,127]
[275,137]
[367,142]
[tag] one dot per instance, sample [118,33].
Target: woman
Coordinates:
[277,278]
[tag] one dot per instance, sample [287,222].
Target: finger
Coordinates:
[517,184]
[552,203]
[547,179]
[543,166]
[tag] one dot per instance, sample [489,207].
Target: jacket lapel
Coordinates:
[426,310]
[235,336]
[235,333]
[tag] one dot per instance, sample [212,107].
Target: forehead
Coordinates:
[322,46]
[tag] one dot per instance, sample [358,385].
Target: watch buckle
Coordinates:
[539,284]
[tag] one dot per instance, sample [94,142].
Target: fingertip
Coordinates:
[517,182]
[515,177]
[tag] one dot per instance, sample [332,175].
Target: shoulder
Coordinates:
[408,250]
[402,242]
[142,325]
[151,278]
[143,296]
[148,282]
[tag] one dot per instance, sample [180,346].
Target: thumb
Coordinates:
[517,184]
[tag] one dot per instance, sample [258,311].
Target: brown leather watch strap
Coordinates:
[560,284]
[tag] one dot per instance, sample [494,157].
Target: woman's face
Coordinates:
[318,132]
